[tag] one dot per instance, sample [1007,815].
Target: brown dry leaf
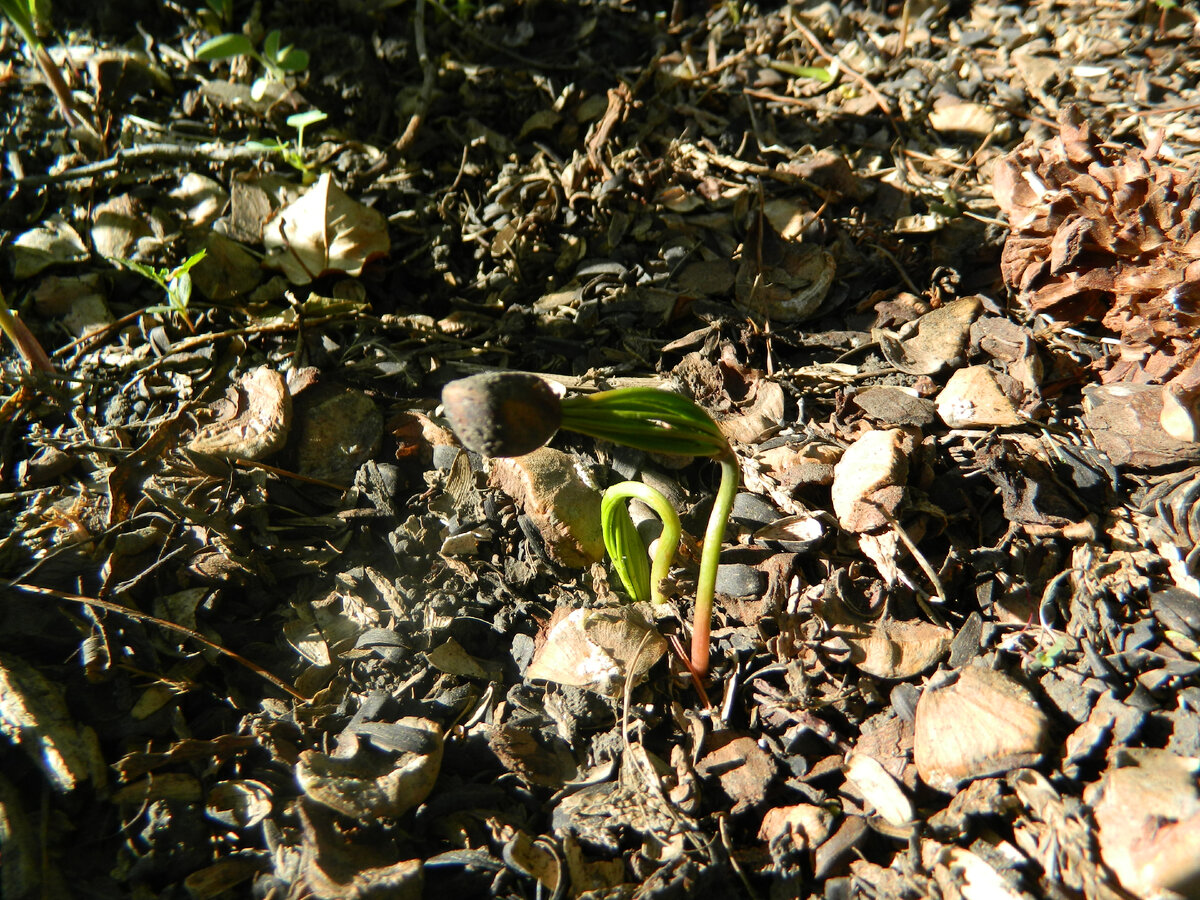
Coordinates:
[254,419]
[983,723]
[974,398]
[324,231]
[545,761]
[547,485]
[743,768]
[879,789]
[1106,232]
[34,715]
[594,649]
[766,411]
[783,280]
[951,114]
[895,650]
[369,784]
[940,342]
[806,825]
[1147,807]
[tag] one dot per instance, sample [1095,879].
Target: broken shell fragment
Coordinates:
[983,723]
[1180,416]
[973,398]
[502,413]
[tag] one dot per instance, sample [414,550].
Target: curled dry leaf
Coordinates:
[940,341]
[324,231]
[983,723]
[253,420]
[369,784]
[1106,232]
[783,280]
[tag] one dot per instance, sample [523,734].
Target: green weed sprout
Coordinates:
[176,282]
[278,61]
[293,152]
[510,414]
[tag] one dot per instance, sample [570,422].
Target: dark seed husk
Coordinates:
[502,413]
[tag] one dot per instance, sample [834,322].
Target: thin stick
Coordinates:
[171,626]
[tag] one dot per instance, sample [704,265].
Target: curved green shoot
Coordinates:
[653,421]
[625,546]
[662,422]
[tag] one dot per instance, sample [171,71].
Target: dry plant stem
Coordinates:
[709,558]
[27,345]
[143,617]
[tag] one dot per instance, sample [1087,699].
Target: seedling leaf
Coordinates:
[225,46]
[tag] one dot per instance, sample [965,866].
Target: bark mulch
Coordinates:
[270,628]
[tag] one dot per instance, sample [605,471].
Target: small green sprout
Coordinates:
[510,414]
[293,151]
[278,61]
[176,282]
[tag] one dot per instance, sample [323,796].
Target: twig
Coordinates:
[163,623]
[145,153]
[406,140]
[879,99]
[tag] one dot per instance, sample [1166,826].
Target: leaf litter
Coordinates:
[269,630]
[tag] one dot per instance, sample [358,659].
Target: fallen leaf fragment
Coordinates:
[546,484]
[324,231]
[982,723]
[34,715]
[596,649]
[939,343]
[743,769]
[871,475]
[880,789]
[254,419]
[806,825]
[1147,808]
[369,784]
[895,650]
[973,398]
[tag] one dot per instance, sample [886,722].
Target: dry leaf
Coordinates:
[254,420]
[940,341]
[871,474]
[324,231]
[1147,808]
[973,398]
[983,723]
[594,649]
[895,650]
[546,484]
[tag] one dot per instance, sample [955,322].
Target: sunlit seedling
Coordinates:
[176,283]
[510,414]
